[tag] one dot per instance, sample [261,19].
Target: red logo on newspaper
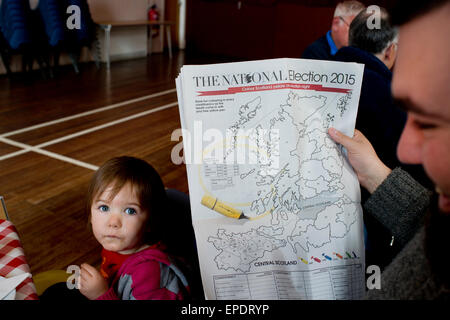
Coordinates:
[315,87]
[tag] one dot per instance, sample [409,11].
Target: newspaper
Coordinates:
[275,204]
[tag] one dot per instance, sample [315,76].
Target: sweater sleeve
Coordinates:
[399,203]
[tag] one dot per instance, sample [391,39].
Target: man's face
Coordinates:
[339,29]
[422,83]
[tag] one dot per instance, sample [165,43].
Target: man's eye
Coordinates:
[130,211]
[425,126]
[103,208]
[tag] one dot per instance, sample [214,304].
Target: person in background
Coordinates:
[326,46]
[126,202]
[418,220]
[378,118]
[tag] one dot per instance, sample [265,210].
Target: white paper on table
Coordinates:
[8,285]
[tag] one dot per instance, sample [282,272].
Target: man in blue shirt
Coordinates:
[326,46]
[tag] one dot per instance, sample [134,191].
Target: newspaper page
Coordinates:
[275,204]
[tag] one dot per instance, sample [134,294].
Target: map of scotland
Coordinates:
[314,171]
[275,204]
[239,250]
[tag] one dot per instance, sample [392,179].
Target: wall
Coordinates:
[253,29]
[298,26]
[257,29]
[126,42]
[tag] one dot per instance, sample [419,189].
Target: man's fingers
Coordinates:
[341,138]
[358,136]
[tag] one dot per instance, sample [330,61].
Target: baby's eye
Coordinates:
[130,211]
[103,208]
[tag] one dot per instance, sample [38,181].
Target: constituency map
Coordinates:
[275,204]
[313,170]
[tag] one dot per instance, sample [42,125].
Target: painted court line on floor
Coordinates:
[105,125]
[27,148]
[13,154]
[79,115]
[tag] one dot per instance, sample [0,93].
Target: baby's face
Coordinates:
[119,224]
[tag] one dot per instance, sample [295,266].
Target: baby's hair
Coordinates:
[146,183]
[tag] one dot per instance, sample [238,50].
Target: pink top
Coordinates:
[147,275]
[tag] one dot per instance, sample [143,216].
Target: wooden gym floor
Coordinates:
[54,133]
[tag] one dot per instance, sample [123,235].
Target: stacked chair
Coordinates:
[14,24]
[42,34]
[52,20]
[4,54]
[85,36]
[15,28]
[61,38]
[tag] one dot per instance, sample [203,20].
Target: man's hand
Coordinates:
[371,171]
[92,284]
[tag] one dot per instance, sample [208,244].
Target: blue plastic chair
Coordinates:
[60,38]
[85,36]
[51,12]
[4,53]
[13,22]
[16,29]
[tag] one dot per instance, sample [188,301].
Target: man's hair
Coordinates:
[403,11]
[373,40]
[146,184]
[348,8]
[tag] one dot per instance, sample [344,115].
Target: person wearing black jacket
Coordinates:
[326,46]
[378,118]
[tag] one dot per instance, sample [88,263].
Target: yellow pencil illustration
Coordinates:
[220,207]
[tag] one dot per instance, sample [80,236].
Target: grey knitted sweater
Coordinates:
[400,204]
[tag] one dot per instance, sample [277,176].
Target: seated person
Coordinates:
[126,203]
[378,118]
[326,46]
[413,214]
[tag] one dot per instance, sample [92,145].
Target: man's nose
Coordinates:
[409,149]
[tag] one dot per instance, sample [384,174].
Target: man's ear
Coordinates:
[389,55]
[391,52]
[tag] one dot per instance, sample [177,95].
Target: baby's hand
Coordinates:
[92,284]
